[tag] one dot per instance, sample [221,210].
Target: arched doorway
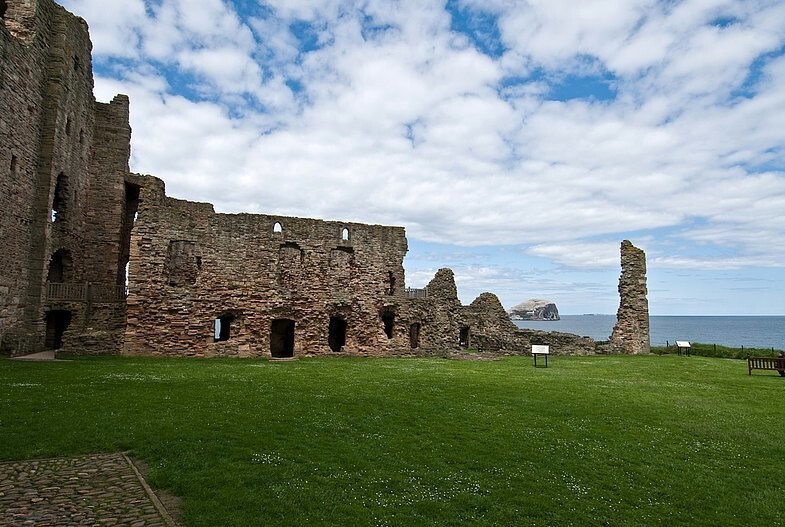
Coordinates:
[464,337]
[282,338]
[337,333]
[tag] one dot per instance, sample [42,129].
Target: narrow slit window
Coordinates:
[59,199]
[390,283]
[345,234]
[14,164]
[388,319]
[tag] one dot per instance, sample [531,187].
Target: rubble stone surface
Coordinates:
[631,332]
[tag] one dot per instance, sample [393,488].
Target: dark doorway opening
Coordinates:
[3,8]
[337,335]
[464,337]
[57,322]
[388,319]
[282,338]
[222,327]
[414,335]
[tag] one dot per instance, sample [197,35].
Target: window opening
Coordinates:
[59,267]
[67,126]
[222,327]
[81,136]
[464,337]
[414,335]
[282,338]
[130,208]
[391,283]
[337,333]
[3,8]
[14,163]
[345,234]
[277,227]
[59,198]
[57,322]
[388,318]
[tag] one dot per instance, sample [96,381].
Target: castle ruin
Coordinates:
[631,333]
[99,260]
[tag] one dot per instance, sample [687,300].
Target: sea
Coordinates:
[733,331]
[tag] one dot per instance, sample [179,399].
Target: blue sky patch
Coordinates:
[749,87]
[306,34]
[481,27]
[595,87]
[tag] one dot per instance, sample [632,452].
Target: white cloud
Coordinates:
[413,126]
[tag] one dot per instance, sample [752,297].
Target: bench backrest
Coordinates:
[766,363]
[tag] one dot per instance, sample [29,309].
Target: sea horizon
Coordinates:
[752,331]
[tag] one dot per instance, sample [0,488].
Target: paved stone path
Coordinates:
[96,490]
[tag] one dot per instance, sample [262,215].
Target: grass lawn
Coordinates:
[605,440]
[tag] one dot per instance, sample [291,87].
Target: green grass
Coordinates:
[605,440]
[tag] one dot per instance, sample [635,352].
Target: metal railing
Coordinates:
[85,292]
[411,292]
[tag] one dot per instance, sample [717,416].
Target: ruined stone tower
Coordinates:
[631,333]
[63,163]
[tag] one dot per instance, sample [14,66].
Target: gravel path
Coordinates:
[97,490]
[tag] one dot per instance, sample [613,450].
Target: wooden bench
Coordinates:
[766,363]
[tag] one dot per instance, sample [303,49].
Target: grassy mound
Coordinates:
[606,440]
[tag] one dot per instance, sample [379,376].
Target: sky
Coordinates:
[517,141]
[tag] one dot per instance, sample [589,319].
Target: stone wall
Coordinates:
[631,333]
[58,193]
[191,267]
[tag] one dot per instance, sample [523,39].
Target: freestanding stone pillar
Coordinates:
[631,333]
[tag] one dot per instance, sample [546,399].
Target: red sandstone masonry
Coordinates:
[61,150]
[631,333]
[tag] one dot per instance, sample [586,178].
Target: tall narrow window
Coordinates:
[390,283]
[388,319]
[3,8]
[67,126]
[277,228]
[345,234]
[59,200]
[14,164]
[414,335]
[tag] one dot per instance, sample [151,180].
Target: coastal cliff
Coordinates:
[535,309]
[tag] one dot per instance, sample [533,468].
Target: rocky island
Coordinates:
[535,309]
